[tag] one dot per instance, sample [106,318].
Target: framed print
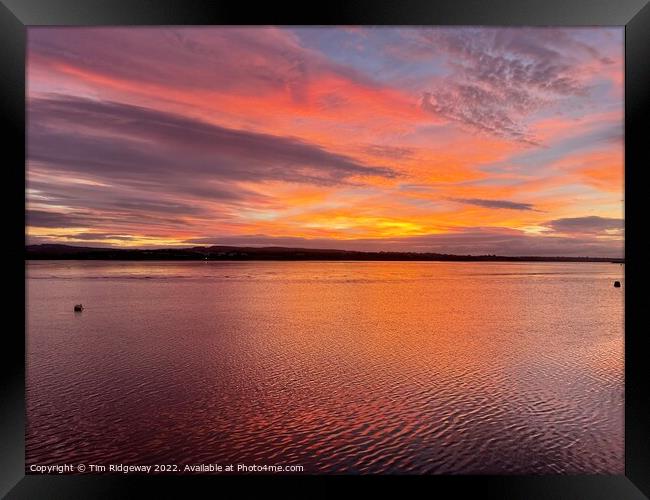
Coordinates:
[369,245]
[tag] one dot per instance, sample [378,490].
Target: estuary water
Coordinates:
[337,367]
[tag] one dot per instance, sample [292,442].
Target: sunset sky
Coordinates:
[459,140]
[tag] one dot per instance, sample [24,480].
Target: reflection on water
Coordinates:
[342,367]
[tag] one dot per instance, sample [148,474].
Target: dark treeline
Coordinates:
[66,252]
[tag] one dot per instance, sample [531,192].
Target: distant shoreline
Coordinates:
[230,253]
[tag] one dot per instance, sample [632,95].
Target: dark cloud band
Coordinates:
[495,203]
[130,142]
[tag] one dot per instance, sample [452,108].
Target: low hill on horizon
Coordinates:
[223,252]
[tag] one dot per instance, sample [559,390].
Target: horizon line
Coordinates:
[314,250]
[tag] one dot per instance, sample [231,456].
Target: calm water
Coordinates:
[353,367]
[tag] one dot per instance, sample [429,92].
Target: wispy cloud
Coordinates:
[240,60]
[388,152]
[511,205]
[500,76]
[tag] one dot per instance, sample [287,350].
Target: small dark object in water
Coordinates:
[78,307]
[617,284]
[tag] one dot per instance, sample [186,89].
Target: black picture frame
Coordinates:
[16,15]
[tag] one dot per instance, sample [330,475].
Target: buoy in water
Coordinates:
[617,284]
[78,307]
